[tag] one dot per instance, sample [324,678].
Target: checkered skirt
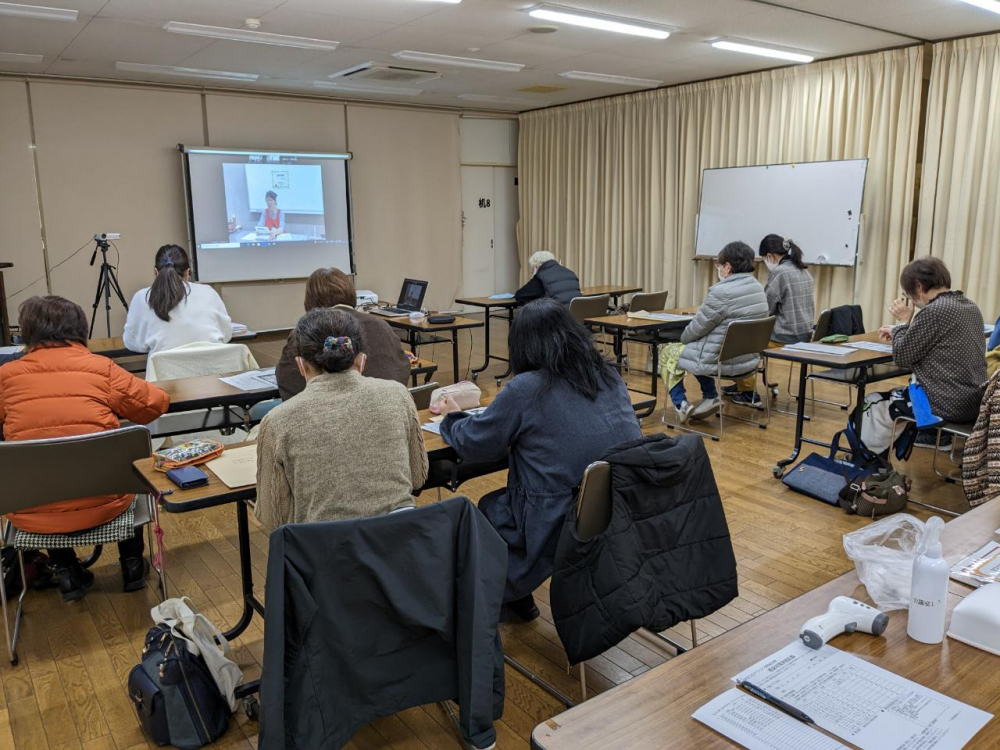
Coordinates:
[116,530]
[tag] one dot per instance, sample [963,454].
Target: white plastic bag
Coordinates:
[883,553]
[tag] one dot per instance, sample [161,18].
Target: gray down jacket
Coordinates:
[737,297]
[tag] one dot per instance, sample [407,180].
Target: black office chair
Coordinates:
[40,472]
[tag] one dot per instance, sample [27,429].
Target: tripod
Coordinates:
[106,283]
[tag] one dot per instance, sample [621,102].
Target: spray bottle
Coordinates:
[929,590]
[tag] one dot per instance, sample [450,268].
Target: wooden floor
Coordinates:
[69,688]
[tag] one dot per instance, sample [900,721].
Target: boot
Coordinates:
[524,608]
[73,581]
[134,571]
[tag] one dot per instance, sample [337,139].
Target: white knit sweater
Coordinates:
[200,317]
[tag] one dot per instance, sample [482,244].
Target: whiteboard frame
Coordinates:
[347,158]
[857,238]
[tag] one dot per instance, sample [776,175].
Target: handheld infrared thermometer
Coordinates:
[844,615]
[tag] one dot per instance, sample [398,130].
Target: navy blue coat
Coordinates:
[550,436]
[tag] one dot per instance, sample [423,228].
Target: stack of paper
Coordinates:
[236,467]
[836,351]
[253,380]
[872,346]
[982,566]
[668,317]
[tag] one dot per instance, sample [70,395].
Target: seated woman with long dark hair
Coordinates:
[174,310]
[564,408]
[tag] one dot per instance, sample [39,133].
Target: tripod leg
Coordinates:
[117,287]
[97,301]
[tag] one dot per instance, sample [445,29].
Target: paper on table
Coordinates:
[864,704]
[11,349]
[505,295]
[236,467]
[757,725]
[669,317]
[253,380]
[981,567]
[836,351]
[434,425]
[873,346]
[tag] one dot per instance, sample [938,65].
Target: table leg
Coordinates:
[454,353]
[510,322]
[859,408]
[486,360]
[654,350]
[250,603]
[800,413]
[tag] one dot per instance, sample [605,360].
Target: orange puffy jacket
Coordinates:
[65,390]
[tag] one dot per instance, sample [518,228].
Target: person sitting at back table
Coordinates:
[548,279]
[789,291]
[943,344]
[174,311]
[331,287]
[347,446]
[737,296]
[58,388]
[564,408]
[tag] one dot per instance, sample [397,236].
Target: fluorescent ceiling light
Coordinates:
[372,89]
[176,70]
[458,62]
[992,5]
[490,99]
[38,11]
[453,2]
[245,35]
[598,21]
[583,75]
[14,57]
[754,49]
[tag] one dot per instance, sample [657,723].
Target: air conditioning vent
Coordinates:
[379,72]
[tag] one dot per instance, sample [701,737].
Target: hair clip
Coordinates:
[337,342]
[167,264]
[786,244]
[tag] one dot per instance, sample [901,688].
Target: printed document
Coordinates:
[253,380]
[434,425]
[863,704]
[872,346]
[836,351]
[236,467]
[757,725]
[665,317]
[982,566]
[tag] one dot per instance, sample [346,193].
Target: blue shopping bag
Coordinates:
[922,408]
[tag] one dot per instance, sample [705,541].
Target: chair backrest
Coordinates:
[593,503]
[650,301]
[39,472]
[822,329]
[746,337]
[589,307]
[422,395]
[202,358]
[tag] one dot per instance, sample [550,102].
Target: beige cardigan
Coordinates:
[346,447]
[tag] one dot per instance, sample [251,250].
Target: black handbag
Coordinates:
[175,696]
[823,477]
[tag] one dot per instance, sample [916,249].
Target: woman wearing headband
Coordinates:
[347,446]
[175,311]
[789,291]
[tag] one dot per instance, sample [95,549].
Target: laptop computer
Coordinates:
[411,298]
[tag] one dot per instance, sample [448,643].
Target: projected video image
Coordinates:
[261,215]
[280,202]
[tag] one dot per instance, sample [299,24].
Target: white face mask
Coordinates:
[720,274]
[771,265]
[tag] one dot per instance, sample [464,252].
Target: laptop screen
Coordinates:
[411,296]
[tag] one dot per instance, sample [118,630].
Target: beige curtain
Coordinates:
[612,186]
[959,218]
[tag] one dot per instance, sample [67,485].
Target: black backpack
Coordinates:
[175,695]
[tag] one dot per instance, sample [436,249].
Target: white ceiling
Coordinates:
[108,31]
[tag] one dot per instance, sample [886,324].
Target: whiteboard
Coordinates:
[299,186]
[816,204]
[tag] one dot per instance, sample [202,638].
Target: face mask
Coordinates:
[771,265]
[718,271]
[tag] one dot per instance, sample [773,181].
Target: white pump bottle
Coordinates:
[929,590]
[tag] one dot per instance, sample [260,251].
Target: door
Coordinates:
[506,265]
[477,232]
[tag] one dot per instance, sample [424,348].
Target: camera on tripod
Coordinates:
[107,283]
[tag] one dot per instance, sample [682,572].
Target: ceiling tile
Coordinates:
[243,57]
[596,62]
[110,40]
[528,54]
[33,36]
[230,13]
[322,26]
[386,11]
[430,40]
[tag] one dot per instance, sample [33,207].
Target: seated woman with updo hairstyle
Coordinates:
[347,446]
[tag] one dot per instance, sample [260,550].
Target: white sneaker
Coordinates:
[684,411]
[706,408]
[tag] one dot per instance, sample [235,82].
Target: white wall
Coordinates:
[107,161]
[489,141]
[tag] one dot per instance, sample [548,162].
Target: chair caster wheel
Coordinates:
[778,472]
[475,377]
[251,707]
[774,392]
[14,661]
